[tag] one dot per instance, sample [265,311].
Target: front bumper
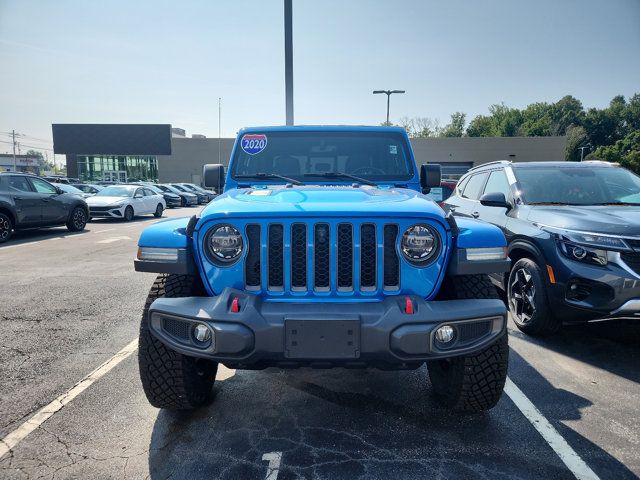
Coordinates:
[107,212]
[323,334]
[583,292]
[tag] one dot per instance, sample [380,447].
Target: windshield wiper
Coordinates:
[341,175]
[271,175]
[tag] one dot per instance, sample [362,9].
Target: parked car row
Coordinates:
[573,233]
[28,201]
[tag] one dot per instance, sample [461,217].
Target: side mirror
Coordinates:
[430,176]
[495,199]
[138,195]
[59,191]
[213,176]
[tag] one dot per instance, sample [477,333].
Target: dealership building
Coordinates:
[159,152]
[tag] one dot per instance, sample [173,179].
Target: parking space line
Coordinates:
[113,239]
[559,445]
[9,442]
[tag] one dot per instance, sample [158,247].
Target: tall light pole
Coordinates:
[388,93]
[582,152]
[288,61]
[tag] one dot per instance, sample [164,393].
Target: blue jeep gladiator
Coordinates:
[323,251]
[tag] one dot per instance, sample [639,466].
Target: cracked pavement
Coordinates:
[69,305]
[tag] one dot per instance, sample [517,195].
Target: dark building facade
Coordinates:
[112,152]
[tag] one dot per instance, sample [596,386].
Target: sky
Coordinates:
[156,61]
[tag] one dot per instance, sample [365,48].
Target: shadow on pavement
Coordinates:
[27,236]
[359,424]
[613,345]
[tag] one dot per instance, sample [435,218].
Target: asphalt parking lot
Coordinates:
[71,302]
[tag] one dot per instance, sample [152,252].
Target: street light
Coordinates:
[582,152]
[388,93]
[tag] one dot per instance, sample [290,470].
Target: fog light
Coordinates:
[445,334]
[202,333]
[579,252]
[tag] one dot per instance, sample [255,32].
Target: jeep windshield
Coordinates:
[578,185]
[322,157]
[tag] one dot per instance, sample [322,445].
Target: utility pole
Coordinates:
[288,61]
[388,93]
[13,138]
[219,129]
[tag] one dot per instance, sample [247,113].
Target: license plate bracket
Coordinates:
[322,339]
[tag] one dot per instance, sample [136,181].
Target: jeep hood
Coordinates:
[609,219]
[314,200]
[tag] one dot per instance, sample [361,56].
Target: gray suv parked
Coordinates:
[27,201]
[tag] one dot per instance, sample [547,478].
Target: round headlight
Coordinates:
[419,243]
[224,243]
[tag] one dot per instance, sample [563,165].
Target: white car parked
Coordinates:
[125,201]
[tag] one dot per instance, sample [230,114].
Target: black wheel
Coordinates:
[169,379]
[158,212]
[77,220]
[6,228]
[183,202]
[528,301]
[128,214]
[470,383]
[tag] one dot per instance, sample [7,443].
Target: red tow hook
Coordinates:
[408,306]
[235,305]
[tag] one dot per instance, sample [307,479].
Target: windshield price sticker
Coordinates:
[253,144]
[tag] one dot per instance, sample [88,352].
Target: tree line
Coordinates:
[611,133]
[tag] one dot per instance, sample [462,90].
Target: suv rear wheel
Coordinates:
[470,383]
[527,299]
[172,380]
[6,228]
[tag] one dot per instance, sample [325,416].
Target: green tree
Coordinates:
[576,138]
[455,128]
[40,160]
[566,112]
[625,151]
[481,126]
[536,120]
[632,113]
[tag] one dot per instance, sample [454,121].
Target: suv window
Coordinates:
[474,186]
[461,184]
[19,184]
[43,187]
[497,183]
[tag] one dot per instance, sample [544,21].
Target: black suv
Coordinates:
[573,231]
[27,201]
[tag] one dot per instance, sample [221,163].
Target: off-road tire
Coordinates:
[158,212]
[6,228]
[129,214]
[77,220]
[470,383]
[542,322]
[171,380]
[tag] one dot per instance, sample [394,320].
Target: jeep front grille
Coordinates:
[321,257]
